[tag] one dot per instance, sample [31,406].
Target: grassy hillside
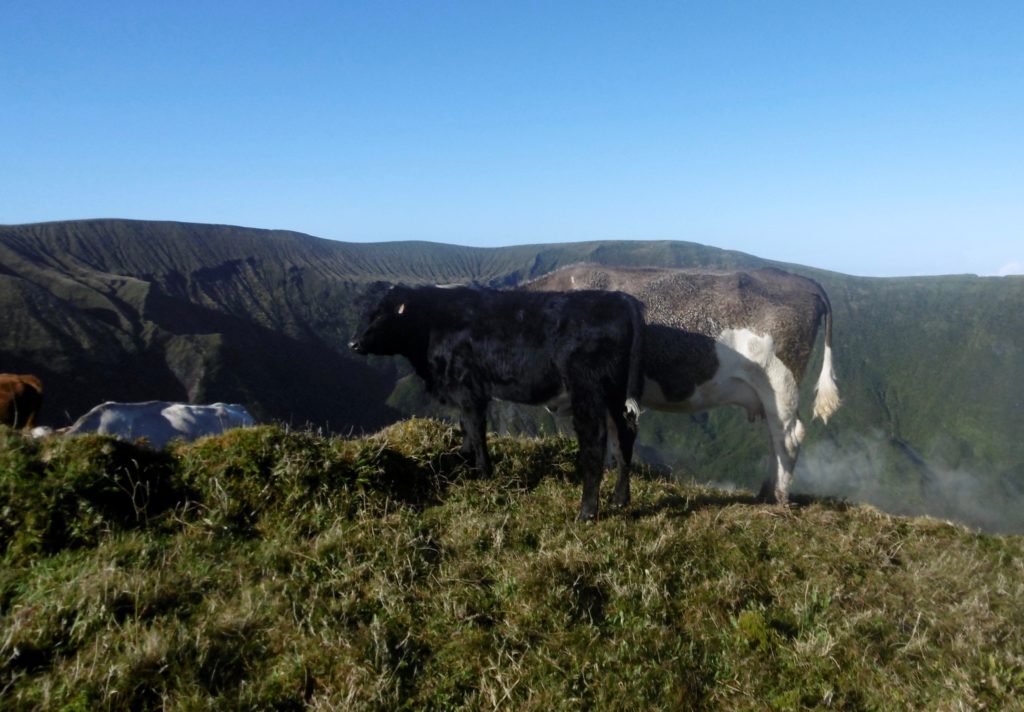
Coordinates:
[931,369]
[274,569]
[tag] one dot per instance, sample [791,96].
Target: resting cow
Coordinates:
[472,345]
[717,338]
[21,396]
[160,422]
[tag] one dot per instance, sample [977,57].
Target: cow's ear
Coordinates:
[401,308]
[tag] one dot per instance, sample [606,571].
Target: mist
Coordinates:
[852,469]
[857,467]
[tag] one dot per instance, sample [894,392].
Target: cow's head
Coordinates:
[383,328]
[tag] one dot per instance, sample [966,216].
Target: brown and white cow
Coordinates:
[21,396]
[721,338]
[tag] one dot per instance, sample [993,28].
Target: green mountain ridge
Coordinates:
[931,369]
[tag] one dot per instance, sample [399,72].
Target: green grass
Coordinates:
[267,569]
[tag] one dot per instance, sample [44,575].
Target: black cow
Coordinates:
[471,345]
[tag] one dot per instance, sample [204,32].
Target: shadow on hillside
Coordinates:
[421,482]
[682,505]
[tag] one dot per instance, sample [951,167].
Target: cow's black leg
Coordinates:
[473,418]
[623,437]
[588,418]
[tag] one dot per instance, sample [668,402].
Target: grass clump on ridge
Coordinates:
[281,570]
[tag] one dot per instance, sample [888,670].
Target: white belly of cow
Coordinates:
[559,406]
[747,365]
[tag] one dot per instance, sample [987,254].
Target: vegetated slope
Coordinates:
[267,568]
[112,309]
[104,312]
[930,368]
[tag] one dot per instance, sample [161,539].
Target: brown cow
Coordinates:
[21,395]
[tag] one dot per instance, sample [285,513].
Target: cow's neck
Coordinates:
[420,364]
[416,351]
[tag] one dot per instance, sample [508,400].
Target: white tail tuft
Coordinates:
[827,401]
[632,409]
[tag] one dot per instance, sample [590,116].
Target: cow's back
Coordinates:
[160,421]
[768,302]
[127,421]
[196,421]
[521,343]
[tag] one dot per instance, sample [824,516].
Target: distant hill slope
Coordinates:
[931,369]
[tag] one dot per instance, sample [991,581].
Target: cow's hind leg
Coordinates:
[769,388]
[775,488]
[786,431]
[621,439]
[591,432]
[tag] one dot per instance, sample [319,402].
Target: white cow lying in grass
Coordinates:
[160,422]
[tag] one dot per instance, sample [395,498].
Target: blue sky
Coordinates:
[870,138]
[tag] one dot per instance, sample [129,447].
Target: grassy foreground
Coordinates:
[267,569]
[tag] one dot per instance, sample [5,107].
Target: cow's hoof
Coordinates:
[775,498]
[620,503]
[586,516]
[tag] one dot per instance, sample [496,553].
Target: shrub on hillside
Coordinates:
[63,493]
[246,476]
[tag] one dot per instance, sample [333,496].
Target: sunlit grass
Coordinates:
[274,569]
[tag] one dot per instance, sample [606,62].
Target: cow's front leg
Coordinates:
[473,418]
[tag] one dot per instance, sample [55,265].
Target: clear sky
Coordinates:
[875,138]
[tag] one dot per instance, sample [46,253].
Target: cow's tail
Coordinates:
[635,382]
[826,400]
